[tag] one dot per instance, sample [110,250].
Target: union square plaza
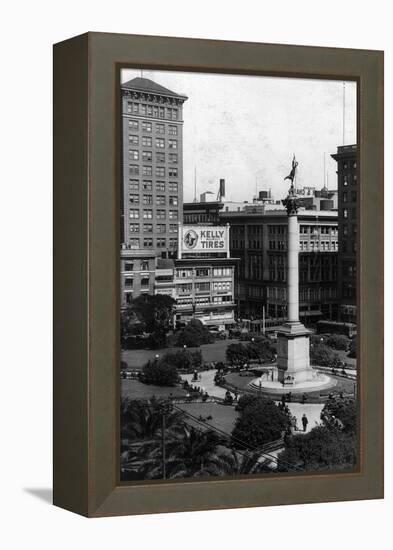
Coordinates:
[238,319]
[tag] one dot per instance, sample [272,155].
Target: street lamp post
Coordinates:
[166,408]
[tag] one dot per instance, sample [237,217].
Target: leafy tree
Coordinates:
[184,360]
[160,372]
[194,334]
[246,400]
[261,350]
[130,325]
[342,409]
[315,339]
[259,423]
[324,356]
[322,448]
[236,354]
[154,314]
[337,341]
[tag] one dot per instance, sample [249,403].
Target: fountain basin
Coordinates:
[318,383]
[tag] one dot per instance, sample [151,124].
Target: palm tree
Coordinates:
[141,426]
[231,462]
[189,453]
[141,420]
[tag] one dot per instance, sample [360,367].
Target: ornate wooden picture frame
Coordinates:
[87,174]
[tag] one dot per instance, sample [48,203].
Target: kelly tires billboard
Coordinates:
[195,239]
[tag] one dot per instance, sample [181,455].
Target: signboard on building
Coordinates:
[210,239]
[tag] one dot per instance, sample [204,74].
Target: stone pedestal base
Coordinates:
[293,355]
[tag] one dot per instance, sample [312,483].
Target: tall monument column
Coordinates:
[293,268]
[293,345]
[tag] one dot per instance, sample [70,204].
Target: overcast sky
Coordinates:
[247,128]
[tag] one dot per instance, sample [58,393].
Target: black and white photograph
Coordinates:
[238,268]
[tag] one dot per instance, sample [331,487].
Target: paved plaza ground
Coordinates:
[136,358]
[206,381]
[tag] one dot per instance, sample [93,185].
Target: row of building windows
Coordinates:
[204,272]
[281,244]
[147,156]
[277,275]
[145,109]
[222,286]
[255,291]
[188,288]
[147,127]
[147,242]
[277,245]
[147,141]
[309,271]
[147,185]
[305,294]
[314,294]
[147,214]
[149,228]
[255,244]
[316,230]
[318,245]
[143,265]
[255,229]
[212,216]
[135,170]
[276,229]
[148,199]
[129,282]
[184,302]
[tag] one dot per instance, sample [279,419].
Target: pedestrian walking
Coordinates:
[304,422]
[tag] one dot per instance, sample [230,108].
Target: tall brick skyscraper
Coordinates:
[347,184]
[152,198]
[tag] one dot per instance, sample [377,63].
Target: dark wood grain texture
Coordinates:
[70,262]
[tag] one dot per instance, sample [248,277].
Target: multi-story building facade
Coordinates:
[259,239]
[137,273]
[347,184]
[204,276]
[164,277]
[152,197]
[204,290]
[202,212]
